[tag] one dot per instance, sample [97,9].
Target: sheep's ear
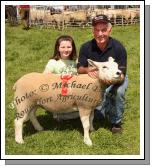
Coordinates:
[111,59]
[94,63]
[90,62]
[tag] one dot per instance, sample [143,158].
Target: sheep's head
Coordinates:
[107,70]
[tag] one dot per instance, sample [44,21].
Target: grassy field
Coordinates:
[29,51]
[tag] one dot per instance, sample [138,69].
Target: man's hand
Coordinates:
[122,78]
[106,82]
[93,72]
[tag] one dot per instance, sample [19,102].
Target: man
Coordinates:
[11,14]
[24,11]
[100,49]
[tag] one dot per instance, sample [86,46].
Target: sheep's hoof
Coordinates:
[88,142]
[21,141]
[40,129]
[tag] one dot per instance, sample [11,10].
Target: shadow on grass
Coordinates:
[48,123]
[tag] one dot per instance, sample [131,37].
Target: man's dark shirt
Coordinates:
[115,49]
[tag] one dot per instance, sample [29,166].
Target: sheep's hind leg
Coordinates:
[91,121]
[18,122]
[34,120]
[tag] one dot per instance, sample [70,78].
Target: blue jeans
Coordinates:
[113,102]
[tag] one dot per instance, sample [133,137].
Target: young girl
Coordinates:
[63,61]
[64,56]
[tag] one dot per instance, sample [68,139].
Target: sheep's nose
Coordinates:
[118,73]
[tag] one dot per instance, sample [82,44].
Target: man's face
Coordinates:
[101,33]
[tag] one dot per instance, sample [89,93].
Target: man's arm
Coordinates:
[82,65]
[121,59]
[86,70]
[82,70]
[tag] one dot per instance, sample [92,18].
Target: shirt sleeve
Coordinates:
[50,67]
[121,59]
[82,60]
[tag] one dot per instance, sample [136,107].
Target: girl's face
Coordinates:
[65,49]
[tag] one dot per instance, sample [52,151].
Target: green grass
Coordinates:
[28,51]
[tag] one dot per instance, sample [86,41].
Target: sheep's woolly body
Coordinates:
[55,94]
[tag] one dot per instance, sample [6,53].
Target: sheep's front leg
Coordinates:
[85,115]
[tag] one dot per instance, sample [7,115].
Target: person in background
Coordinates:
[63,61]
[24,11]
[99,49]
[11,14]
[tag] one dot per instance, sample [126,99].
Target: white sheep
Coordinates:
[57,93]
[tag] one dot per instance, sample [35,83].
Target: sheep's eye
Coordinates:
[104,67]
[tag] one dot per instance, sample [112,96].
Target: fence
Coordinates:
[47,17]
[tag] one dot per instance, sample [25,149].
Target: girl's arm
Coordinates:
[47,71]
[49,68]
